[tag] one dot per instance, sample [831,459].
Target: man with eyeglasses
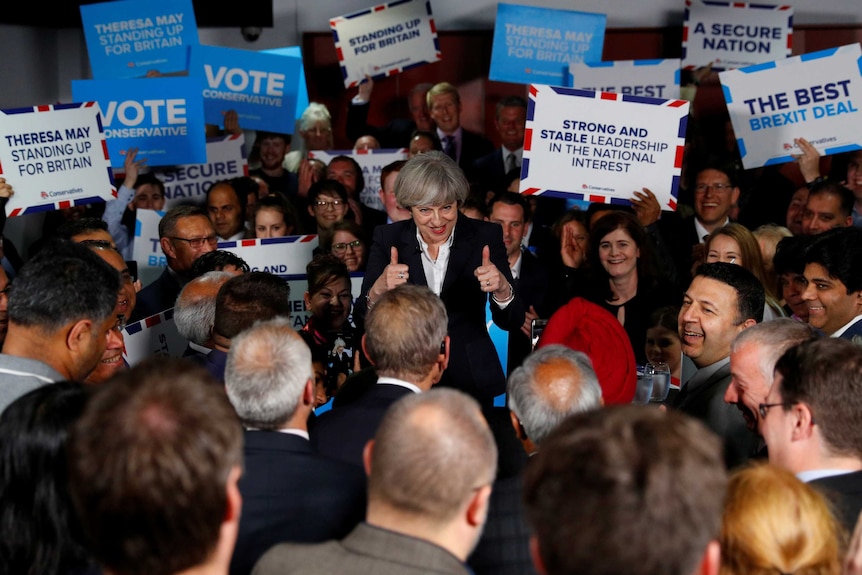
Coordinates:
[185,234]
[715,194]
[810,420]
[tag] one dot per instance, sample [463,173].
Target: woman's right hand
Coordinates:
[393,275]
[570,250]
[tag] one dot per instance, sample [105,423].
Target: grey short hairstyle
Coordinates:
[430,179]
[267,368]
[431,451]
[168,224]
[194,315]
[404,331]
[315,112]
[539,411]
[773,338]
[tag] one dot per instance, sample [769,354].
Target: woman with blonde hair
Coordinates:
[735,244]
[775,524]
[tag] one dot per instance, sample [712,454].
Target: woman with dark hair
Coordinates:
[39,534]
[274,217]
[347,242]
[620,276]
[329,298]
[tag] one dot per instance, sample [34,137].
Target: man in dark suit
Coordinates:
[395,134]
[626,490]
[194,312]
[554,383]
[430,470]
[678,241]
[512,213]
[833,270]
[405,340]
[491,169]
[185,234]
[722,300]
[463,146]
[290,493]
[810,420]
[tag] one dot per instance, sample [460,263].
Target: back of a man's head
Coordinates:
[553,383]
[826,375]
[62,284]
[268,367]
[152,462]
[194,312]
[404,332]
[249,298]
[626,490]
[430,453]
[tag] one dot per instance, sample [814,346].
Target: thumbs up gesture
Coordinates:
[393,275]
[490,278]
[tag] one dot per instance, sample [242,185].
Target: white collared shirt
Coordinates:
[813,474]
[298,432]
[846,326]
[702,232]
[398,382]
[457,134]
[435,271]
[506,152]
[516,269]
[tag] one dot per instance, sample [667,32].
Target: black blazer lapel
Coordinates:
[409,253]
[462,249]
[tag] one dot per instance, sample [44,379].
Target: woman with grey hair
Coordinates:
[315,127]
[461,260]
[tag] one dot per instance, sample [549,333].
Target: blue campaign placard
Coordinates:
[260,87]
[302,88]
[536,45]
[130,38]
[816,96]
[162,117]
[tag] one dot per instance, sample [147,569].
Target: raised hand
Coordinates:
[490,278]
[393,275]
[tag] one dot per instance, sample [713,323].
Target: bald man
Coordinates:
[553,383]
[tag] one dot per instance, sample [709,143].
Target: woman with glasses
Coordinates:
[461,260]
[327,204]
[348,244]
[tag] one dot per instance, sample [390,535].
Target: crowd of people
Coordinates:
[371,439]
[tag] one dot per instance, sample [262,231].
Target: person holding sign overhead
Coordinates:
[461,260]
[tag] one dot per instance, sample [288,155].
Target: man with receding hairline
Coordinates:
[430,468]
[553,383]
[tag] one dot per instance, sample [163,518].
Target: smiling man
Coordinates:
[226,210]
[833,269]
[722,300]
[753,354]
[463,146]
[511,121]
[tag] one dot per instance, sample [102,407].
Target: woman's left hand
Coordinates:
[491,280]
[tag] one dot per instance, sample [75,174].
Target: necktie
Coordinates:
[511,162]
[449,147]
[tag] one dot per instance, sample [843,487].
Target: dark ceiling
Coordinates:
[65,13]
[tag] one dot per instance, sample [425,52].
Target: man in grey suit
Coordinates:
[430,468]
[722,300]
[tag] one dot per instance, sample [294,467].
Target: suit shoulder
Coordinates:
[304,558]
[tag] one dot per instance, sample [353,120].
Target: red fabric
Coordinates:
[589,328]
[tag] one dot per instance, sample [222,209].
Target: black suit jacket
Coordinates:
[845,493]
[706,403]
[157,297]
[291,494]
[532,287]
[395,134]
[489,171]
[474,366]
[504,548]
[342,432]
[473,147]
[672,239]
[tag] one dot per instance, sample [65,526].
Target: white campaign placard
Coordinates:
[146,249]
[372,163]
[735,34]
[385,40]
[815,96]
[155,335]
[650,78]
[189,183]
[54,157]
[602,147]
